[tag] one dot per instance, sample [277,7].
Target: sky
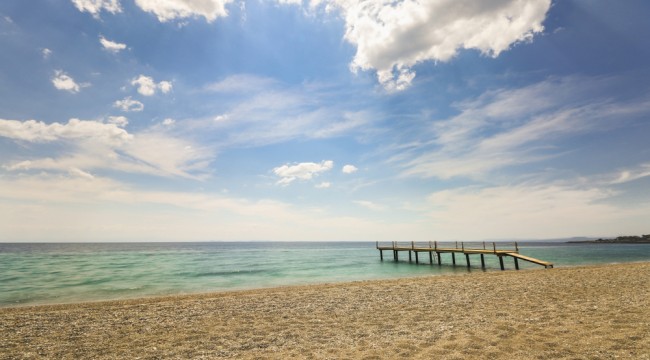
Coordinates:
[323,120]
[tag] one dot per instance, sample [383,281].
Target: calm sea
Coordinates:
[60,273]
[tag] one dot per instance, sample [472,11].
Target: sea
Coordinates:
[54,273]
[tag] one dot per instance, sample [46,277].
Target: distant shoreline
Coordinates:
[643,239]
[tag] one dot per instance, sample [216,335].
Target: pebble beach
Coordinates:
[591,312]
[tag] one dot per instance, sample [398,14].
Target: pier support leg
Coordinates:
[381,255]
[501,262]
[439,259]
[482,261]
[430,258]
[453,258]
[467,258]
[417,259]
[516,263]
[410,256]
[395,256]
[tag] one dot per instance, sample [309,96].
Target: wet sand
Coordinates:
[598,312]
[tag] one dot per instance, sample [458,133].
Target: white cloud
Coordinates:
[630,175]
[75,129]
[94,7]
[393,36]
[263,111]
[302,171]
[88,145]
[63,81]
[166,10]
[120,121]
[324,185]
[127,104]
[370,205]
[169,122]
[515,126]
[241,83]
[349,169]
[148,87]
[111,46]
[46,53]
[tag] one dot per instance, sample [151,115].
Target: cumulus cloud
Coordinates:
[349,169]
[94,7]
[302,171]
[46,53]
[166,10]
[63,81]
[111,46]
[127,104]
[393,36]
[148,87]
[169,122]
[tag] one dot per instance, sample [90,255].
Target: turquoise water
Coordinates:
[60,273]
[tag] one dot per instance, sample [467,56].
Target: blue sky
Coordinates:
[148,120]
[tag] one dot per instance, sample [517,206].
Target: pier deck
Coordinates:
[501,250]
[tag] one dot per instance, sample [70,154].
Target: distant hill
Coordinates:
[643,239]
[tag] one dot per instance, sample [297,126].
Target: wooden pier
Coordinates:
[435,249]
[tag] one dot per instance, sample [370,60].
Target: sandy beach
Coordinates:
[598,312]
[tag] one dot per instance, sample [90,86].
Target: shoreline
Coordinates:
[596,311]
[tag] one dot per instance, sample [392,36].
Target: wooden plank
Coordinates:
[531,259]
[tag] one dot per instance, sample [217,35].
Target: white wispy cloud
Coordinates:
[393,36]
[166,10]
[46,53]
[127,104]
[63,81]
[241,83]
[515,126]
[95,7]
[302,171]
[370,205]
[87,145]
[323,185]
[148,87]
[630,175]
[263,111]
[111,46]
[74,129]
[120,121]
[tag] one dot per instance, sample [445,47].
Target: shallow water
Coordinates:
[58,273]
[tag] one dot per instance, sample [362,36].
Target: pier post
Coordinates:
[381,255]
[501,262]
[516,263]
[467,258]
[410,256]
[482,261]
[395,256]
[417,260]
[453,258]
[431,257]
[439,259]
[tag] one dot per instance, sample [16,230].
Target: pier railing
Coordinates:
[493,246]
[437,248]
